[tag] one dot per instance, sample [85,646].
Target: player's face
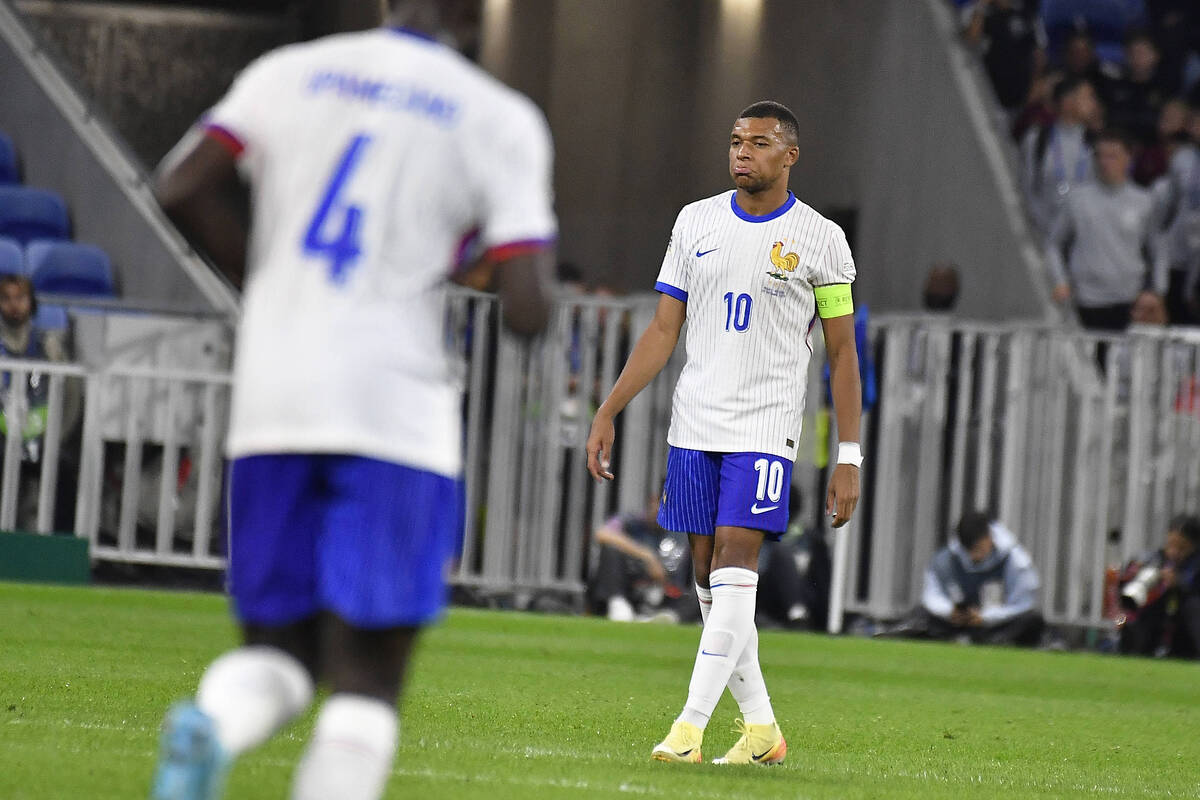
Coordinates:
[759,154]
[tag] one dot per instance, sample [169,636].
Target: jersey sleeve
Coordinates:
[674,278]
[239,119]
[837,264]
[516,179]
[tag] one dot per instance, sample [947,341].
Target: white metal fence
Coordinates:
[1021,421]
[1065,436]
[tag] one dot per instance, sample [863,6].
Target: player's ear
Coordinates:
[793,155]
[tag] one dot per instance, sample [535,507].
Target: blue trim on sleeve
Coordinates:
[673,291]
[783,209]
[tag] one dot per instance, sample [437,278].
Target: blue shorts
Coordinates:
[365,539]
[704,490]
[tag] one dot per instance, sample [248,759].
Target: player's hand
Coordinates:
[1062,293]
[974,618]
[842,497]
[599,446]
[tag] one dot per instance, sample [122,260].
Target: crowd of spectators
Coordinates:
[1103,97]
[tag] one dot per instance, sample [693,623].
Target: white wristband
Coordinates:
[850,453]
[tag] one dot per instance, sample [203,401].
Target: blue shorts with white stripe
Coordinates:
[704,490]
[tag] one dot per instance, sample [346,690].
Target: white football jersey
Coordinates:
[748,284]
[373,158]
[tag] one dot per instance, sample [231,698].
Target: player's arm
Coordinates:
[525,284]
[198,187]
[845,385]
[649,356]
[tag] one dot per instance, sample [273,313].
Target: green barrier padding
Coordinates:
[49,559]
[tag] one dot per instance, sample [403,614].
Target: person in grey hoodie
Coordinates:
[982,588]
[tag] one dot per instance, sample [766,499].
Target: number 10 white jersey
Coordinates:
[748,284]
[373,158]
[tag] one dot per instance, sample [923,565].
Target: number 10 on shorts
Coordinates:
[770,479]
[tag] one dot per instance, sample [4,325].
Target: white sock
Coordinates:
[746,684]
[726,631]
[350,755]
[704,598]
[252,692]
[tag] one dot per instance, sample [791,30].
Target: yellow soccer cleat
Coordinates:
[682,744]
[760,744]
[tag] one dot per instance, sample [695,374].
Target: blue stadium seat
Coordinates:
[51,318]
[27,214]
[70,268]
[8,161]
[12,257]
[1106,20]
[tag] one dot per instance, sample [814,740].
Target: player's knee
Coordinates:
[366,662]
[735,556]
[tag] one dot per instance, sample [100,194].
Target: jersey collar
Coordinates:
[405,31]
[770,215]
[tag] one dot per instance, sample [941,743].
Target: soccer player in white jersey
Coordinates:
[750,270]
[372,158]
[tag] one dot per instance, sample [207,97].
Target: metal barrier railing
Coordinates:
[1064,435]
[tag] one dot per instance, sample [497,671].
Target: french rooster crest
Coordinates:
[783,262]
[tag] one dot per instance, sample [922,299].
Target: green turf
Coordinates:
[505,705]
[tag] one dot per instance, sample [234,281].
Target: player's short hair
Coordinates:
[769,109]
[973,526]
[1115,135]
[1188,525]
[1069,85]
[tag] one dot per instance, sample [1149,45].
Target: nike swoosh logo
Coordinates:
[754,509]
[706,653]
[761,756]
[703,253]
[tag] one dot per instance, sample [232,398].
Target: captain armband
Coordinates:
[833,300]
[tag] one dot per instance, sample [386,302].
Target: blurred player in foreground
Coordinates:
[372,157]
[750,270]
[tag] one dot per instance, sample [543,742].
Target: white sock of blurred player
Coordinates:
[350,755]
[746,684]
[726,633]
[250,693]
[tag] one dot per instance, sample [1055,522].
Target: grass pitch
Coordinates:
[506,705]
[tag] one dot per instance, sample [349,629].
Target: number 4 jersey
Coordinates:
[374,158]
[748,284]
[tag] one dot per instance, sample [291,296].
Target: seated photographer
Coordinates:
[981,588]
[641,570]
[1160,596]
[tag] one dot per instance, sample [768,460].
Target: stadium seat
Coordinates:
[51,318]
[8,161]
[27,214]
[70,268]
[12,257]
[1106,20]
